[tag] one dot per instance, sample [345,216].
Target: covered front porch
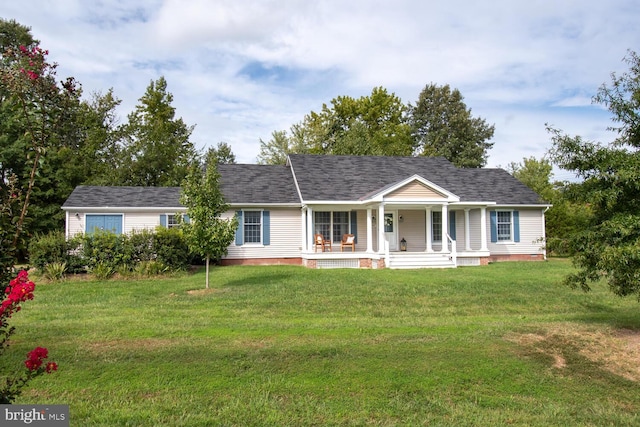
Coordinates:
[434,234]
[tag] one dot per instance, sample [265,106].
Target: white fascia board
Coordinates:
[94,209]
[538,206]
[266,205]
[333,202]
[473,204]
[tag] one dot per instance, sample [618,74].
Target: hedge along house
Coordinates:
[403,212]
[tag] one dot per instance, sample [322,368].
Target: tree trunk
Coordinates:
[207,277]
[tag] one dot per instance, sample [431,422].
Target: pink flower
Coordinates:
[35,358]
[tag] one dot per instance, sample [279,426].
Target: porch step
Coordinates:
[420,260]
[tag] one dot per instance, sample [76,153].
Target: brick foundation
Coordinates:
[310,263]
[365,262]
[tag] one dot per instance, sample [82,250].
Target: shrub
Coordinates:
[102,270]
[48,248]
[171,248]
[139,246]
[151,268]
[55,271]
[104,248]
[52,248]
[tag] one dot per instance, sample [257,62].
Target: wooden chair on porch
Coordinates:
[348,240]
[320,241]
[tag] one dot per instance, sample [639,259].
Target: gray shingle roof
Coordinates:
[123,197]
[326,178]
[350,178]
[257,184]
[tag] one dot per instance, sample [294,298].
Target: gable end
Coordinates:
[414,190]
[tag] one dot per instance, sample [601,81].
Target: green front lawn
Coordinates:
[504,344]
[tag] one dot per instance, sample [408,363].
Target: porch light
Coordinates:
[403,245]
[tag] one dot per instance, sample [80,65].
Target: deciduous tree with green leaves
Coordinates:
[208,234]
[564,217]
[443,126]
[608,247]
[374,125]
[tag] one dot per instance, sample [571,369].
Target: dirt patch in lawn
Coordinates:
[616,350]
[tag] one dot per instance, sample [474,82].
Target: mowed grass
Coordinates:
[504,344]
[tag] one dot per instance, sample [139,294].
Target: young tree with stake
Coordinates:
[207,233]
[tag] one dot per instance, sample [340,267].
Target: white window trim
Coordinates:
[432,222]
[170,215]
[331,224]
[511,240]
[259,244]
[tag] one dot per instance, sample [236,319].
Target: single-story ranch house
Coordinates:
[326,211]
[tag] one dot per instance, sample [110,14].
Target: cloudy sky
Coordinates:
[240,69]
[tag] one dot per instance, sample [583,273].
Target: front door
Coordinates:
[390,230]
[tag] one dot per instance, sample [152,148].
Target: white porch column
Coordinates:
[381,228]
[310,227]
[483,229]
[467,230]
[369,230]
[428,225]
[445,229]
[303,229]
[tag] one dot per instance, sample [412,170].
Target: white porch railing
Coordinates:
[387,258]
[454,250]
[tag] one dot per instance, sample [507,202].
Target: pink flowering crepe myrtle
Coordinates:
[20,290]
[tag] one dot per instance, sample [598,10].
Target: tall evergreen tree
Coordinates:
[157,150]
[443,126]
[220,155]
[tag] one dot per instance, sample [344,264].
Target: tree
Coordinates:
[370,125]
[207,233]
[609,245]
[39,119]
[564,217]
[100,153]
[535,174]
[157,149]
[276,150]
[220,155]
[443,126]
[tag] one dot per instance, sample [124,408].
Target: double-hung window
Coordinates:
[332,225]
[340,225]
[504,226]
[436,226]
[252,226]
[172,221]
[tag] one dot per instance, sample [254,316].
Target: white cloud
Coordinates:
[239,70]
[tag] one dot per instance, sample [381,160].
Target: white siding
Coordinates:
[474,230]
[131,220]
[412,229]
[141,220]
[285,240]
[530,232]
